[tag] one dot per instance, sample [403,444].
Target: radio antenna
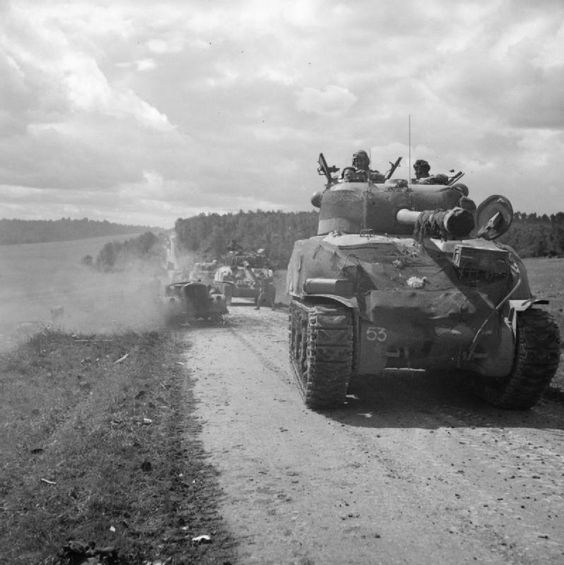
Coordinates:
[409,143]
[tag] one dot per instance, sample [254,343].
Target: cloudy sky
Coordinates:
[139,111]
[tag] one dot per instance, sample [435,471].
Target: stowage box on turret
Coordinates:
[408,276]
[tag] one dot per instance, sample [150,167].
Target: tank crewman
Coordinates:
[263,282]
[421,168]
[259,280]
[360,170]
[423,174]
[361,161]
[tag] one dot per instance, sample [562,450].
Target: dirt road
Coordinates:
[412,470]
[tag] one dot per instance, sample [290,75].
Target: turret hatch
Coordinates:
[493,217]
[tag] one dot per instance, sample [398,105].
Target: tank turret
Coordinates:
[395,208]
[247,275]
[408,275]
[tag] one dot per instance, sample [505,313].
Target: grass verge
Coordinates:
[100,456]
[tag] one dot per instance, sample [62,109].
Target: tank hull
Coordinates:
[413,307]
[252,283]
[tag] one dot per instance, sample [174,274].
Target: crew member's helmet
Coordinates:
[361,160]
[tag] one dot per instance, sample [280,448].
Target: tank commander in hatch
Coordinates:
[360,170]
[421,168]
[423,174]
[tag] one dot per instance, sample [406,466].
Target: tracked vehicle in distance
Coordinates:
[190,301]
[246,275]
[404,275]
[204,272]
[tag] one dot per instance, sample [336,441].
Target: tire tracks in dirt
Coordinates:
[412,469]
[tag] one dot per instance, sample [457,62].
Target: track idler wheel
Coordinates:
[536,361]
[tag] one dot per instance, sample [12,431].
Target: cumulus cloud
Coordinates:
[332,101]
[138,109]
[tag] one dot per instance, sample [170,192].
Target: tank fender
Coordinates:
[499,365]
[336,290]
[516,306]
[348,302]
[340,287]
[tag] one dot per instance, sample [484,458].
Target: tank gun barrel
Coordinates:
[456,222]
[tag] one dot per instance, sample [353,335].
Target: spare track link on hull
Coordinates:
[536,360]
[321,352]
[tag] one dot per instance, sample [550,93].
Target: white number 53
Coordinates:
[374,333]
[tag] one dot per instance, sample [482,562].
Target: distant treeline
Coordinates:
[146,251]
[37,231]
[533,235]
[210,235]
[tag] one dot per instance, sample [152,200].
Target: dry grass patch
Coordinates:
[99,446]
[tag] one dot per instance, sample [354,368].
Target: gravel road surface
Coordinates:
[412,470]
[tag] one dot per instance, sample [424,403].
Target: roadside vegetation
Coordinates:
[146,250]
[533,235]
[100,456]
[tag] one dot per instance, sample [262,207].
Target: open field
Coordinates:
[547,281]
[34,278]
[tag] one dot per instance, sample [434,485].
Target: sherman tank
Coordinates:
[405,275]
[248,276]
[190,301]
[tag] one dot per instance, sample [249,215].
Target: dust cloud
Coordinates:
[46,286]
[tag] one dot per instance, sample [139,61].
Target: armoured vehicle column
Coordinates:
[402,275]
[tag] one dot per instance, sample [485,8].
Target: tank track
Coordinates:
[321,352]
[536,360]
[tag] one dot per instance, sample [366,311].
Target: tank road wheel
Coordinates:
[321,352]
[536,359]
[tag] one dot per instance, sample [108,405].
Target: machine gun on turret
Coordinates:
[454,178]
[393,167]
[325,170]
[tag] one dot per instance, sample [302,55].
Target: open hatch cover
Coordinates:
[493,217]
